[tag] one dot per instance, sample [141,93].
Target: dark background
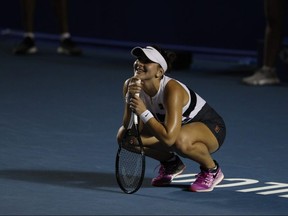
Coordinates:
[225,24]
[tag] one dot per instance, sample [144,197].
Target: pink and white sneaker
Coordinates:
[167,171]
[207,180]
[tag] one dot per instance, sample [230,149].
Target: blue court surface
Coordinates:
[58,121]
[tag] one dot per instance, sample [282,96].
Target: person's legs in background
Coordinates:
[27,45]
[266,75]
[67,46]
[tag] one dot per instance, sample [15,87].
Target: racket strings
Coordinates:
[130,169]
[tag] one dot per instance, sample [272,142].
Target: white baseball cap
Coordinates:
[152,54]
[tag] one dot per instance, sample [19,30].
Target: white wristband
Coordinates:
[146,116]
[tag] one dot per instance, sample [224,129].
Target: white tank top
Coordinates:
[156,106]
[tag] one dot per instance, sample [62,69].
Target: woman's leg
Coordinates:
[274,13]
[197,142]
[152,147]
[28,10]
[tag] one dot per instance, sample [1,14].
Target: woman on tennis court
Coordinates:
[174,120]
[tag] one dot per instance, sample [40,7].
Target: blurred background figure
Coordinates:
[28,46]
[267,75]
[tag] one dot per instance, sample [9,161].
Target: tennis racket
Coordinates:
[130,159]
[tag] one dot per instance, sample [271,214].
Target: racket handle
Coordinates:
[135,117]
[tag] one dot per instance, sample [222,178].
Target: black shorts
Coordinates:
[213,121]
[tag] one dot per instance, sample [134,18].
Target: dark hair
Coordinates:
[168,55]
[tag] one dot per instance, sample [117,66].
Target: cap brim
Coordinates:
[151,53]
[137,52]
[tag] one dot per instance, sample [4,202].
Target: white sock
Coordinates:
[267,68]
[65,35]
[29,34]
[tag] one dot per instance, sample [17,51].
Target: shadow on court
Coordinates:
[74,179]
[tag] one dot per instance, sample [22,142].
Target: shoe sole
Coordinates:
[61,50]
[32,50]
[262,82]
[217,181]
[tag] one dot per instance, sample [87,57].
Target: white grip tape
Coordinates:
[135,116]
[137,94]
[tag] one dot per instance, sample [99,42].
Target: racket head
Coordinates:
[130,162]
